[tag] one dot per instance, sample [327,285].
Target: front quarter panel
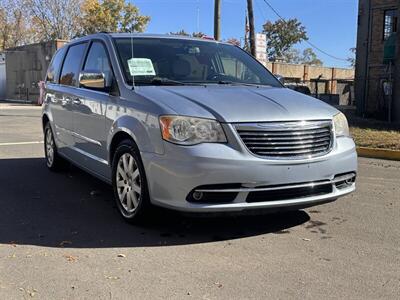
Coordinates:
[142,126]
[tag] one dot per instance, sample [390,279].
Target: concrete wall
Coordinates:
[328,84]
[25,67]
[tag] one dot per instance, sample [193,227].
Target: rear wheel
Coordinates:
[53,160]
[129,183]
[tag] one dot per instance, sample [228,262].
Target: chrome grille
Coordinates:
[287,140]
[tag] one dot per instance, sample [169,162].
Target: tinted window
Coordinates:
[72,62]
[97,60]
[188,61]
[55,66]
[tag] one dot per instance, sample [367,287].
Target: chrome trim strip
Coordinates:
[82,137]
[263,139]
[282,126]
[277,188]
[103,161]
[85,138]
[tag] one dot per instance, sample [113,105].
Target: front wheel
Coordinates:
[129,183]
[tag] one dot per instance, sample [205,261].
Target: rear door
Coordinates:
[90,110]
[64,94]
[54,97]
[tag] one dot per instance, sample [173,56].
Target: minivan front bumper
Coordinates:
[181,170]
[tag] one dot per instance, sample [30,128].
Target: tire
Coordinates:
[130,184]
[53,160]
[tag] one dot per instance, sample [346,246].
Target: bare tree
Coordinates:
[54,19]
[14,29]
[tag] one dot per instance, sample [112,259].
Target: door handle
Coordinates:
[76,101]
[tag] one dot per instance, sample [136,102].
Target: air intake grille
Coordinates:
[287,140]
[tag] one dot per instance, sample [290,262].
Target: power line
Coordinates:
[308,42]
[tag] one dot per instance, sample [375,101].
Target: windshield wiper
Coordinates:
[227,82]
[159,81]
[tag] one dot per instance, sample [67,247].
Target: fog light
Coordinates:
[197,196]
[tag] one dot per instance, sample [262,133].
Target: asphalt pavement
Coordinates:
[62,238]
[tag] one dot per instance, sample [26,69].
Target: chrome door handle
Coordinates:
[76,101]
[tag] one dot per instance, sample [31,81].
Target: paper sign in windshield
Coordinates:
[141,67]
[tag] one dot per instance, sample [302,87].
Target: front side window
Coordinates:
[390,23]
[54,68]
[72,63]
[148,61]
[97,60]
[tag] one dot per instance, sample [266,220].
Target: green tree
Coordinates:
[198,34]
[310,58]
[180,32]
[282,35]
[183,32]
[111,16]
[292,56]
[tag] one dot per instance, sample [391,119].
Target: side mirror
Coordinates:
[94,80]
[280,78]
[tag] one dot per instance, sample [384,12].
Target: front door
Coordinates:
[89,113]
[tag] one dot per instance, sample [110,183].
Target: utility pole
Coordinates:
[251,26]
[217,20]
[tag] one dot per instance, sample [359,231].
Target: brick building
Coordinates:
[377,80]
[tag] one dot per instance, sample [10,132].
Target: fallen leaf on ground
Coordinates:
[121,255]
[306,240]
[70,258]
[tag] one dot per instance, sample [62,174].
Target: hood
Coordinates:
[238,103]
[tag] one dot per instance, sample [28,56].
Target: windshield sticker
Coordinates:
[141,67]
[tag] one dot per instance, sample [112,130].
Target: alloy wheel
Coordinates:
[128,181]
[49,148]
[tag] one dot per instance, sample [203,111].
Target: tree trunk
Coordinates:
[251,26]
[217,20]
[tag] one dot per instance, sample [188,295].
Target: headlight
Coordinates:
[340,125]
[190,131]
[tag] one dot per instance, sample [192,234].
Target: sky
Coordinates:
[331,24]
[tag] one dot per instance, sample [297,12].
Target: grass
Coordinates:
[373,133]
[376,138]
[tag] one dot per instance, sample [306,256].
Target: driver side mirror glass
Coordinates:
[94,80]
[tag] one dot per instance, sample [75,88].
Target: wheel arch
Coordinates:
[143,132]
[45,120]
[117,138]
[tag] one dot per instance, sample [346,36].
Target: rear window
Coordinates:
[72,63]
[54,68]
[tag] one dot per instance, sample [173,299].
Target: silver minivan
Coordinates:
[193,125]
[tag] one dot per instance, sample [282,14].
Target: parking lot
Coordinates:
[62,238]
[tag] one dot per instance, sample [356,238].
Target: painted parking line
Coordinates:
[21,143]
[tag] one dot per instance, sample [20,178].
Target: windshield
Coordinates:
[155,61]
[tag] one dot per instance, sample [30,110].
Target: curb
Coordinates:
[378,153]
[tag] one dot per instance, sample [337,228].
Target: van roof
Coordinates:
[147,35]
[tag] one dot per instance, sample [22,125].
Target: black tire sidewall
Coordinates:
[128,146]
